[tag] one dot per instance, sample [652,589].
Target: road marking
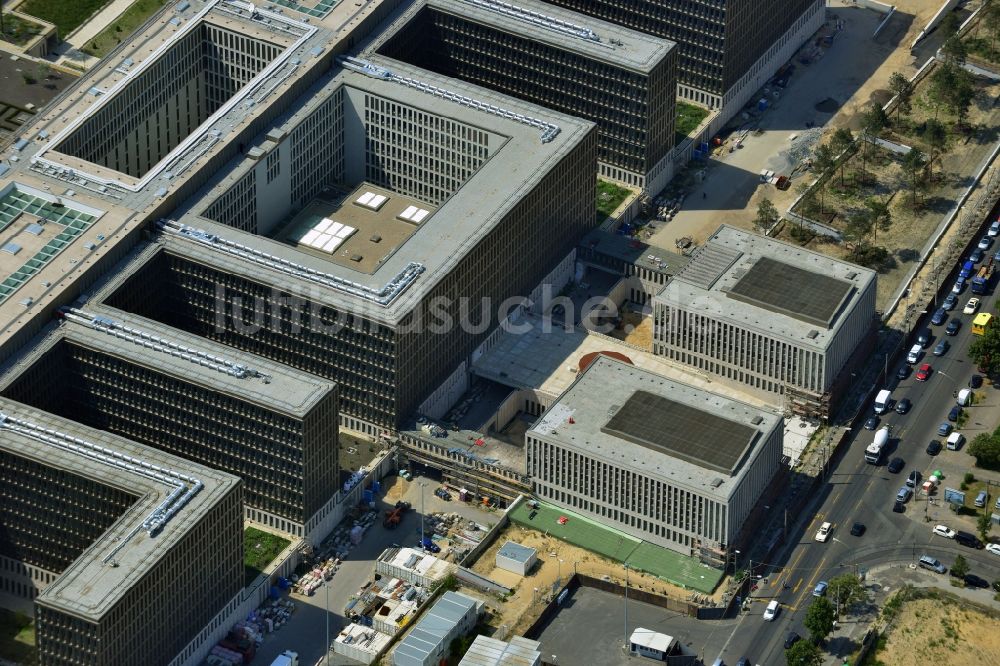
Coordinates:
[796,588]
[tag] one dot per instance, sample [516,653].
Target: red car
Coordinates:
[924,372]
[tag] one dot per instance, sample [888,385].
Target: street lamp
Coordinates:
[326,654]
[626,605]
[422,516]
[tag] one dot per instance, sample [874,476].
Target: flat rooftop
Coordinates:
[775,288]
[634,251]
[373,233]
[609,406]
[551,25]
[547,359]
[177,354]
[518,162]
[89,588]
[123,211]
[682,431]
[787,289]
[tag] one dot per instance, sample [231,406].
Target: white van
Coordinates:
[883,401]
[955,441]
[914,355]
[772,610]
[964,398]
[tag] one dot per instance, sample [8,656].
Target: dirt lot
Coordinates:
[945,632]
[636,330]
[523,606]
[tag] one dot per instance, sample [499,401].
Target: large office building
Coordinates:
[759,312]
[369,257]
[622,80]
[273,427]
[663,461]
[728,48]
[108,536]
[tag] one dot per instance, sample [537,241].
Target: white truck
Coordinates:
[873,454]
[882,401]
[286,658]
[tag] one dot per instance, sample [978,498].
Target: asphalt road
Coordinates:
[857,491]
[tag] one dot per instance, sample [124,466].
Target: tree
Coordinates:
[991,19]
[915,169]
[960,567]
[983,525]
[767,216]
[985,448]
[879,216]
[819,618]
[903,90]
[857,229]
[841,140]
[950,24]
[823,161]
[954,50]
[985,350]
[872,123]
[804,653]
[935,135]
[847,590]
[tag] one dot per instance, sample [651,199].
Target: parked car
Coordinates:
[976,256]
[944,531]
[972,580]
[950,301]
[903,406]
[903,372]
[994,228]
[953,327]
[913,480]
[924,337]
[982,499]
[896,465]
[857,529]
[429,545]
[959,285]
[924,372]
[820,589]
[443,494]
[984,243]
[944,429]
[996,256]
[955,412]
[898,507]
[904,494]
[871,423]
[939,316]
[993,548]
[971,306]
[934,448]
[928,562]
[791,639]
[941,348]
[968,540]
[975,381]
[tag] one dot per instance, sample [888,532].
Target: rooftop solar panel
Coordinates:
[779,287]
[675,429]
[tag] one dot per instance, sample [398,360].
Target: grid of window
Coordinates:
[719,40]
[163,105]
[263,447]
[318,149]
[419,154]
[274,164]
[211,552]
[237,207]
[49,515]
[620,101]
[359,355]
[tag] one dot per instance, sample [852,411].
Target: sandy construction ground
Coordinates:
[524,605]
[942,632]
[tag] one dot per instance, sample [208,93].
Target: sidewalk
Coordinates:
[71,48]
